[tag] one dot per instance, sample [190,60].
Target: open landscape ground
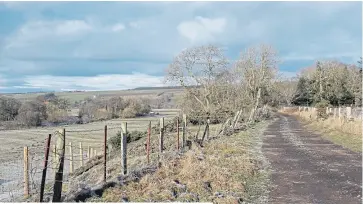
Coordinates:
[77,96]
[92,134]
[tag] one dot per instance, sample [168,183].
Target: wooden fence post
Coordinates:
[184,130]
[26,172]
[80,153]
[161,136]
[89,153]
[44,173]
[70,158]
[339,113]
[105,155]
[54,160]
[349,112]
[177,129]
[238,117]
[57,189]
[148,143]
[234,119]
[124,147]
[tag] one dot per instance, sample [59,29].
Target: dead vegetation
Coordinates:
[347,133]
[225,170]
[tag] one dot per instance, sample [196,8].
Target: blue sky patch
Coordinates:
[70,45]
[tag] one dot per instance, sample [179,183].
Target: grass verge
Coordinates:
[227,170]
[339,131]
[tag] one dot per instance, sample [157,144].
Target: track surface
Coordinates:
[309,169]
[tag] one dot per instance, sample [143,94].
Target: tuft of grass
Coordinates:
[339,131]
[226,170]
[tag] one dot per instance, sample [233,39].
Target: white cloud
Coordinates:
[202,29]
[72,27]
[118,27]
[101,82]
[134,24]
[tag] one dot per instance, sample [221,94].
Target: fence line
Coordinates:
[61,165]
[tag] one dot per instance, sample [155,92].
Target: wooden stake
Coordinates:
[57,189]
[161,137]
[89,153]
[177,129]
[44,174]
[80,154]
[26,172]
[105,155]
[70,158]
[54,159]
[124,147]
[184,130]
[148,143]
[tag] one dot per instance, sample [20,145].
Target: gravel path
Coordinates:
[309,169]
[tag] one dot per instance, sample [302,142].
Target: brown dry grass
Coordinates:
[340,131]
[224,163]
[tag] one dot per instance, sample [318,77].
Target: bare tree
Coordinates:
[287,89]
[196,69]
[258,69]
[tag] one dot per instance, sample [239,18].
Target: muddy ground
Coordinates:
[308,169]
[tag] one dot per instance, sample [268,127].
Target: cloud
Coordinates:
[104,38]
[202,29]
[100,82]
[118,27]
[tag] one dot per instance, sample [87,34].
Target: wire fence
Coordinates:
[82,151]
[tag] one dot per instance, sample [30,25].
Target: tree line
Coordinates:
[331,83]
[50,110]
[215,88]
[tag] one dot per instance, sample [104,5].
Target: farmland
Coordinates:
[91,134]
[77,96]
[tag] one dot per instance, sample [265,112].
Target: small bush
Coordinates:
[115,141]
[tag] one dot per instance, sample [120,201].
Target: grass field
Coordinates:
[77,96]
[92,134]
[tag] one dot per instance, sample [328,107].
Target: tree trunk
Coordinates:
[252,115]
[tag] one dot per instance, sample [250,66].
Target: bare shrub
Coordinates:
[9,108]
[32,113]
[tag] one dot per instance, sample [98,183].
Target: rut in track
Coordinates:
[308,169]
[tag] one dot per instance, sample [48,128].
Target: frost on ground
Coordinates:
[228,169]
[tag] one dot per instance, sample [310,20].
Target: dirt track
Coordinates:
[309,169]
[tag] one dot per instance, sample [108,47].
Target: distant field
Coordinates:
[76,96]
[92,134]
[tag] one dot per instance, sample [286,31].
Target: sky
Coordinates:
[62,46]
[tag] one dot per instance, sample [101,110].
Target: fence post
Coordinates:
[54,159]
[161,137]
[177,129]
[339,112]
[89,153]
[349,112]
[105,155]
[148,143]
[81,153]
[44,174]
[57,189]
[26,172]
[184,130]
[234,118]
[238,117]
[70,158]
[124,147]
